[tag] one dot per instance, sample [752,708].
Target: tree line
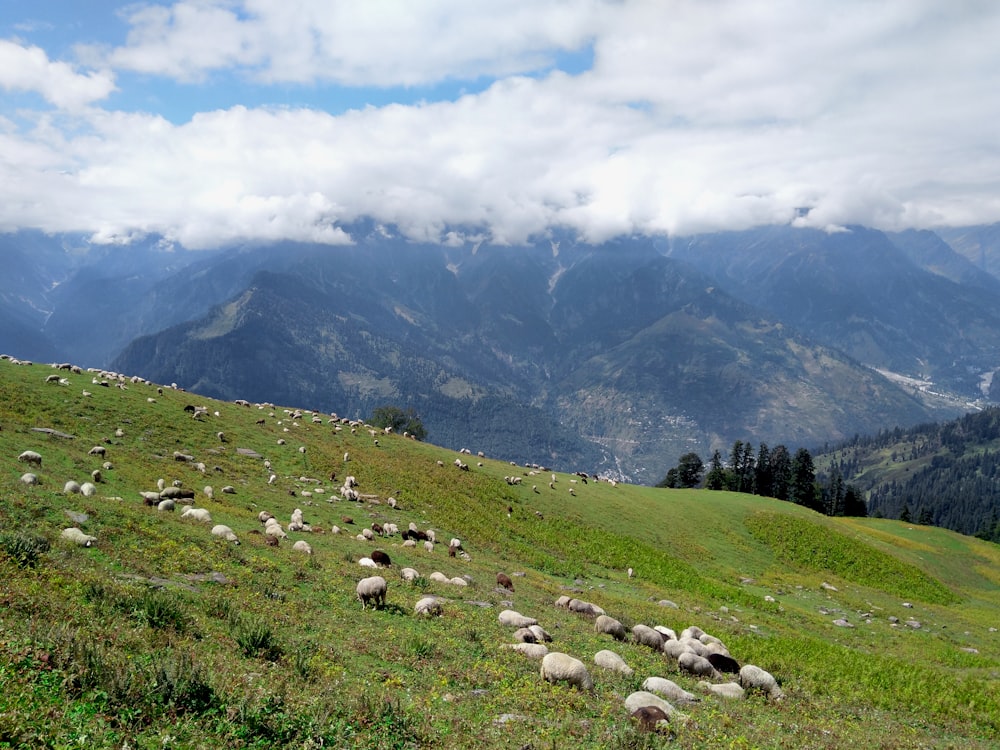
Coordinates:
[770,473]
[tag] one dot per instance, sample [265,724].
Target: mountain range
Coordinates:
[613,358]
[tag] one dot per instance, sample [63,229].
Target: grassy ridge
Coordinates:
[162,635]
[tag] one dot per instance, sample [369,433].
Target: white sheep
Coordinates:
[98,450]
[367,562]
[560,667]
[368,534]
[29,478]
[429,546]
[514,619]
[372,589]
[273,528]
[438,577]
[731,690]
[30,457]
[88,489]
[303,546]
[71,488]
[610,660]
[541,635]
[645,635]
[197,514]
[531,650]
[457,581]
[409,574]
[224,532]
[754,678]
[696,665]
[167,504]
[609,626]
[76,536]
[428,605]
[669,690]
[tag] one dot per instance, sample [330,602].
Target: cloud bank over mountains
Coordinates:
[219,121]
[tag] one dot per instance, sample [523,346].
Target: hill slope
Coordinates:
[162,634]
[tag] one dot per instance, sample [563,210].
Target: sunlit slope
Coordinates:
[161,629]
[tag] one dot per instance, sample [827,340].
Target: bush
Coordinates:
[256,639]
[24,549]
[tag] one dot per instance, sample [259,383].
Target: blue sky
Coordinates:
[212,122]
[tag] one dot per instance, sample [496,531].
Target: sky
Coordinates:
[214,122]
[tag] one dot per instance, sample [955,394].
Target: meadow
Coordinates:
[161,635]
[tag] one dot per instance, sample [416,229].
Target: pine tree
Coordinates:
[715,479]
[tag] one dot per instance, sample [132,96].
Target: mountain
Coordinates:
[979,244]
[858,292]
[621,357]
[161,634]
[944,474]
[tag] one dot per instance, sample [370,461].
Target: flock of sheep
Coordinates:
[693,652]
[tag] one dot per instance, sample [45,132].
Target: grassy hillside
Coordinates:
[161,635]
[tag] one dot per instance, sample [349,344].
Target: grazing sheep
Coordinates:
[513,619]
[696,646]
[71,488]
[525,635]
[273,528]
[642,698]
[197,514]
[303,546]
[176,493]
[229,490]
[669,690]
[560,667]
[612,661]
[645,635]
[438,577]
[504,582]
[409,574]
[368,534]
[675,649]
[29,478]
[667,633]
[381,558]
[429,606]
[731,690]
[724,663]
[754,678]
[541,635]
[264,516]
[563,602]
[167,504]
[584,608]
[531,650]
[429,546]
[96,475]
[692,632]
[98,450]
[696,665]
[367,562]
[88,489]
[150,498]
[457,581]
[373,590]
[224,532]
[609,626]
[650,719]
[76,536]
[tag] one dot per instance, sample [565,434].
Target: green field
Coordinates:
[161,635]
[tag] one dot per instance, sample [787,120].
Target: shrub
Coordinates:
[24,549]
[256,639]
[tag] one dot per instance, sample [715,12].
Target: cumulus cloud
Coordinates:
[698,115]
[28,68]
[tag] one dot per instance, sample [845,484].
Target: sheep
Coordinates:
[264,516]
[504,582]
[645,635]
[30,457]
[229,490]
[197,514]
[224,532]
[76,536]
[150,498]
[584,608]
[409,574]
[456,581]
[367,562]
[560,667]
[71,488]
[429,546]
[667,633]
[176,493]
[167,504]
[368,534]
[675,649]
[692,632]
[96,476]
[563,602]
[609,626]
[724,663]
[29,479]
[696,665]
[429,606]
[513,619]
[303,546]
[642,698]
[612,661]
[754,678]
[541,635]
[650,718]
[669,690]
[98,450]
[531,650]
[373,590]
[731,690]
[524,635]
[380,558]
[438,577]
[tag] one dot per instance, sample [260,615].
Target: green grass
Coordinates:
[164,636]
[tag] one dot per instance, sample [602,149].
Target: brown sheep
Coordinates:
[503,581]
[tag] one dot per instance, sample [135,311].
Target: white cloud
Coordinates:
[24,68]
[697,115]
